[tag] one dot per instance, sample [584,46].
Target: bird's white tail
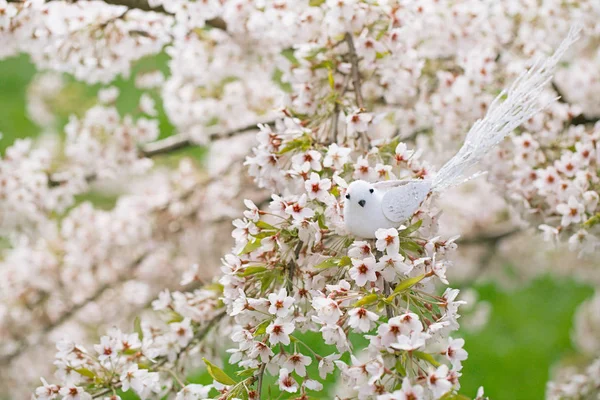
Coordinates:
[509,109]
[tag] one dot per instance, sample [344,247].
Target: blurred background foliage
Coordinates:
[512,355]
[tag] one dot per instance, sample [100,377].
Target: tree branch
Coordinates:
[489,239]
[181,141]
[355,71]
[261,373]
[291,269]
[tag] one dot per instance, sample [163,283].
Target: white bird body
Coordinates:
[372,206]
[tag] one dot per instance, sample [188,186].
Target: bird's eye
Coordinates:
[348,196]
[371,190]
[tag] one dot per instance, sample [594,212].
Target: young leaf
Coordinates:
[251,246]
[368,299]
[261,329]
[414,227]
[345,261]
[218,374]
[330,262]
[410,245]
[426,357]
[263,225]
[405,285]
[137,327]
[85,372]
[254,269]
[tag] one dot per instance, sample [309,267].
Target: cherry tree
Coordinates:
[295,100]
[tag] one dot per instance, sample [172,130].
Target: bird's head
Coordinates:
[359,196]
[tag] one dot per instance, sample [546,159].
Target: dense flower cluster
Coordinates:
[584,385]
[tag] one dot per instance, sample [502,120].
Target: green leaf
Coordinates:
[405,285]
[261,329]
[289,54]
[263,225]
[345,261]
[246,373]
[267,278]
[218,374]
[315,3]
[410,245]
[368,299]
[137,327]
[324,64]
[426,357]
[330,78]
[414,227]
[85,372]
[264,234]
[277,78]
[330,262]
[175,318]
[253,269]
[321,221]
[298,143]
[251,246]
[592,221]
[215,287]
[400,368]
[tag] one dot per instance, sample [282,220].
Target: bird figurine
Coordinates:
[372,206]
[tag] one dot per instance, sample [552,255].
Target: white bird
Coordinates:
[372,206]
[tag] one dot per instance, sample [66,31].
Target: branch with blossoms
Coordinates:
[294,267]
[292,270]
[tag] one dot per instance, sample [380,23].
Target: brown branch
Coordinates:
[582,120]
[355,71]
[172,143]
[181,141]
[289,285]
[259,385]
[491,242]
[489,239]
[335,123]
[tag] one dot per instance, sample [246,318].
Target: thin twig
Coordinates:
[261,373]
[355,71]
[386,289]
[335,123]
[291,268]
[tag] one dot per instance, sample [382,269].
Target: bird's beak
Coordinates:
[362,203]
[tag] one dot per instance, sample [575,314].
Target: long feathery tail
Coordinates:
[510,109]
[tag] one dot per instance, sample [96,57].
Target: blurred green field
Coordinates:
[511,356]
